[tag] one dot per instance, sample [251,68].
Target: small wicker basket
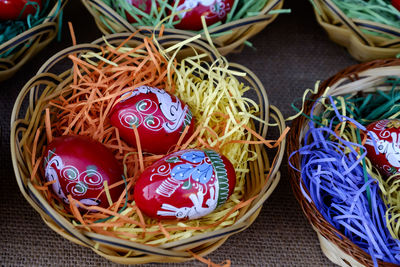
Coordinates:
[30,42]
[347,32]
[359,78]
[239,31]
[28,116]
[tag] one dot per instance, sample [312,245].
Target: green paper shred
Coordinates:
[379,11]
[11,28]
[241,9]
[368,108]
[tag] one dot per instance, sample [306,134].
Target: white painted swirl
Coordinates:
[92,178]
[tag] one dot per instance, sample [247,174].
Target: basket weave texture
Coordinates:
[30,42]
[347,32]
[28,116]
[337,247]
[238,31]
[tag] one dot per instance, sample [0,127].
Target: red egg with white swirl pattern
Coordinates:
[160,119]
[383,146]
[212,10]
[187,184]
[80,166]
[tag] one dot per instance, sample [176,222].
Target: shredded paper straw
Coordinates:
[240,9]
[224,123]
[338,177]
[11,28]
[380,11]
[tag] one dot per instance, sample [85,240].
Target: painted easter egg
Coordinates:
[80,166]
[212,10]
[383,146]
[396,4]
[187,184]
[160,119]
[11,9]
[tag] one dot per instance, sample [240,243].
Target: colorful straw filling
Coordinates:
[379,11]
[339,178]
[224,123]
[163,12]
[12,28]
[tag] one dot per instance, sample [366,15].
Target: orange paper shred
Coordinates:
[83,107]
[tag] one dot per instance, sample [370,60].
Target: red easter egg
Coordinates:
[11,9]
[383,146]
[396,4]
[159,117]
[187,184]
[212,10]
[80,166]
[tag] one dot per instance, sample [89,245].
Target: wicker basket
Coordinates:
[30,42]
[347,32]
[239,30]
[28,115]
[359,78]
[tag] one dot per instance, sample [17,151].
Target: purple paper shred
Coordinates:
[336,184]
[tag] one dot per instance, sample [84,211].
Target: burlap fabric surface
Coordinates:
[292,53]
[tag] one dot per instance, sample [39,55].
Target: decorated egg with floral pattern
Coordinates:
[383,145]
[187,184]
[160,119]
[212,10]
[18,9]
[80,166]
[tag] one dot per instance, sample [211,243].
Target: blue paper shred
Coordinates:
[346,195]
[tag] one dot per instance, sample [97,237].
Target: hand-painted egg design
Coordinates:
[11,9]
[383,146]
[396,4]
[187,184]
[159,117]
[80,166]
[212,10]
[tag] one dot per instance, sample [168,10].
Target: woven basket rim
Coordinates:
[347,32]
[314,217]
[47,21]
[48,26]
[357,22]
[248,27]
[65,228]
